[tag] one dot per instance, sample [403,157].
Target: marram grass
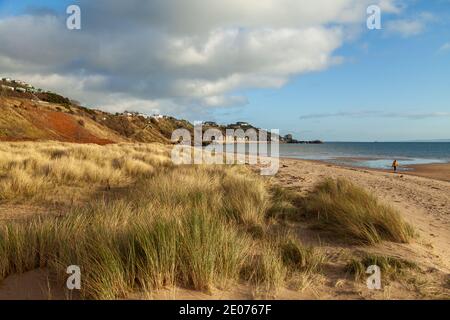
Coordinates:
[347,210]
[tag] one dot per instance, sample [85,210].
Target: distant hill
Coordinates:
[24,119]
[33,116]
[30,114]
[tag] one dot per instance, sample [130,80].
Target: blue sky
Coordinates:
[387,74]
[388,85]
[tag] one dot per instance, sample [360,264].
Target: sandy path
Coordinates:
[424,202]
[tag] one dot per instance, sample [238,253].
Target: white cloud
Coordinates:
[406,28]
[410,27]
[178,54]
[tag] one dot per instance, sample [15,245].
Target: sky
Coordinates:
[310,68]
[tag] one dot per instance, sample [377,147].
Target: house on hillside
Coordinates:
[210,124]
[157,116]
[243,124]
[7,87]
[19,89]
[6,79]
[31,89]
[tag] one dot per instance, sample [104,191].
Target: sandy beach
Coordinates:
[424,201]
[434,171]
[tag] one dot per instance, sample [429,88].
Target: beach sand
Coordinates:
[439,171]
[424,202]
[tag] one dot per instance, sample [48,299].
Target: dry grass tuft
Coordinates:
[349,211]
[390,267]
[49,171]
[299,258]
[265,269]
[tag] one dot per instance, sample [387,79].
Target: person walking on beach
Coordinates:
[395,165]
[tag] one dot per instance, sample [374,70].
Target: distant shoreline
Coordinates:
[436,171]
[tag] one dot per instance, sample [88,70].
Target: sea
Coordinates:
[377,155]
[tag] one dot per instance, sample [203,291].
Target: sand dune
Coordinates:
[424,202]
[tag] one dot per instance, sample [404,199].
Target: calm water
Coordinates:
[372,155]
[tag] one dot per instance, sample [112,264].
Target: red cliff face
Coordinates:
[23,119]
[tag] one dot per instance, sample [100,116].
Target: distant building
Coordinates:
[7,88]
[210,123]
[243,124]
[19,89]
[157,116]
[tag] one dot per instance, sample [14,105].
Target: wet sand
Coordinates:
[438,171]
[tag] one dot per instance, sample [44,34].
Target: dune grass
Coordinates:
[162,225]
[285,204]
[50,171]
[390,267]
[182,226]
[345,209]
[123,246]
[299,258]
[164,231]
[264,269]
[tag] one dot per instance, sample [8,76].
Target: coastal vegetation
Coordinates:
[349,211]
[135,222]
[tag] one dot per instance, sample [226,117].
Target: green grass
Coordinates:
[349,211]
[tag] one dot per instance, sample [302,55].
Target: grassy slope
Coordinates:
[24,119]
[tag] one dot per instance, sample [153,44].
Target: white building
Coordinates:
[7,88]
